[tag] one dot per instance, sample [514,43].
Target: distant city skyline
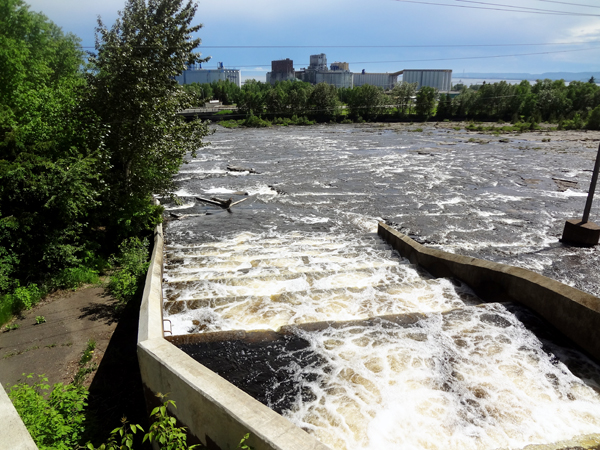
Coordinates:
[381,36]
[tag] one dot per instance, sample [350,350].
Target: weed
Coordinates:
[39,320]
[84,368]
[456,128]
[67,344]
[132,263]
[72,278]
[51,346]
[418,130]
[54,419]
[12,326]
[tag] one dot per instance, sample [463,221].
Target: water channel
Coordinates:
[447,371]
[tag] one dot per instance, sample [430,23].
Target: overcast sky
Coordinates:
[325,26]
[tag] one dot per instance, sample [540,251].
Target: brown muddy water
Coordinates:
[461,374]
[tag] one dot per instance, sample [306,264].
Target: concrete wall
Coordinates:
[14,435]
[216,413]
[209,75]
[382,80]
[574,313]
[439,79]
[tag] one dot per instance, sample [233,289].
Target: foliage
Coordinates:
[593,122]
[56,419]
[131,264]
[323,102]
[11,327]
[164,430]
[402,96]
[49,177]
[136,98]
[120,438]
[84,369]
[242,445]
[425,102]
[39,320]
[366,101]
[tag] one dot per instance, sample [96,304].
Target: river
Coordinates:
[303,248]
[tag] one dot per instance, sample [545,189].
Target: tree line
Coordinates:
[573,105]
[87,139]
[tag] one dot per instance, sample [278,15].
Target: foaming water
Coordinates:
[258,281]
[302,248]
[473,378]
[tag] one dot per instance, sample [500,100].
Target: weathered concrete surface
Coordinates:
[14,435]
[216,413]
[574,313]
[151,320]
[579,233]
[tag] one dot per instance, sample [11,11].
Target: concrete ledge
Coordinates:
[215,412]
[213,409]
[150,325]
[574,313]
[14,434]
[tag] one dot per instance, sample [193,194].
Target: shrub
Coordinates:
[25,297]
[131,265]
[256,122]
[74,277]
[55,421]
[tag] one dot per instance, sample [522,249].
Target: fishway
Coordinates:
[356,345]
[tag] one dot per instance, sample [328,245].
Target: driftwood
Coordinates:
[225,204]
[212,202]
[239,201]
[241,169]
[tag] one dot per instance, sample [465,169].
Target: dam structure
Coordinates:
[301,317]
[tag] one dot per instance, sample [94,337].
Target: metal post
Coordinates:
[588,203]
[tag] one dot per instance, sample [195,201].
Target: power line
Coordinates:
[504,8]
[454,59]
[392,46]
[525,8]
[570,4]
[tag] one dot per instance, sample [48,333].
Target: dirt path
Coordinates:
[54,348]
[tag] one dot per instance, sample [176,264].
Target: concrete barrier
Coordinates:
[574,313]
[216,413]
[14,435]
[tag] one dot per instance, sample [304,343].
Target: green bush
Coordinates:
[593,122]
[56,419]
[131,265]
[256,122]
[74,277]
[25,297]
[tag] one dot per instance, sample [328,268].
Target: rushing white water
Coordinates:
[302,249]
[473,378]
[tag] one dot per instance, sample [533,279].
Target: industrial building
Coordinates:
[339,75]
[281,70]
[382,80]
[196,74]
[440,79]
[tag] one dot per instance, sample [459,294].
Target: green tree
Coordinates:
[366,101]
[49,173]
[425,103]
[323,101]
[402,96]
[445,108]
[135,95]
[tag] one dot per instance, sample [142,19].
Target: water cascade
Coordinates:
[295,299]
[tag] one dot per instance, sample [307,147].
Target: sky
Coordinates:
[378,35]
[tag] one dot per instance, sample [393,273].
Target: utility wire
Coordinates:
[371,46]
[454,59]
[393,46]
[507,8]
[570,4]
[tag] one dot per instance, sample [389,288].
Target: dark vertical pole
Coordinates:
[588,203]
